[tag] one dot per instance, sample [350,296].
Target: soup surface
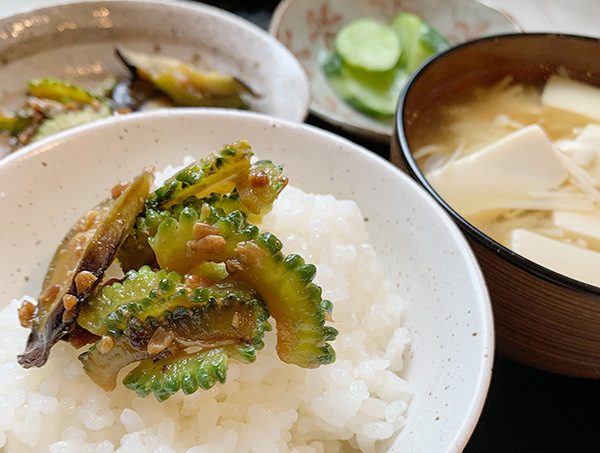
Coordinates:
[522,164]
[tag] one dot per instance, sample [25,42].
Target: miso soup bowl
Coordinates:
[542,318]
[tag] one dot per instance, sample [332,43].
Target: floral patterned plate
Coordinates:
[307,28]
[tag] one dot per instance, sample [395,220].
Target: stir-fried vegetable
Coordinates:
[185,84]
[214,173]
[155,81]
[78,266]
[67,120]
[14,124]
[283,282]
[58,90]
[200,286]
[156,316]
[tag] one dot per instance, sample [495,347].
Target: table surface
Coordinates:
[526,410]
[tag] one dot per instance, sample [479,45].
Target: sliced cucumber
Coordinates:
[369,69]
[374,100]
[419,41]
[368,45]
[433,39]
[333,70]
[373,95]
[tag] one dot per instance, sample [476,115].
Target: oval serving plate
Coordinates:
[46,186]
[76,42]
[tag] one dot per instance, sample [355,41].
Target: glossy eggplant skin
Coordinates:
[78,265]
[132,94]
[185,84]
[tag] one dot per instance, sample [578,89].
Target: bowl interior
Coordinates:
[428,262]
[76,42]
[308,28]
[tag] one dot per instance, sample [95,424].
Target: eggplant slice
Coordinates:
[184,84]
[133,93]
[78,265]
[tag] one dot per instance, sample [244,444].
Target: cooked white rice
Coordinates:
[267,406]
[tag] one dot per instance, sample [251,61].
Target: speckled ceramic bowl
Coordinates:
[425,257]
[308,27]
[76,41]
[542,318]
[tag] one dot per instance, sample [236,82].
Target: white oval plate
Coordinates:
[45,188]
[76,41]
[308,28]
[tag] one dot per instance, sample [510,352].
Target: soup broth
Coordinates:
[490,114]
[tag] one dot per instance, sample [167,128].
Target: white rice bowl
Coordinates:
[264,407]
[418,367]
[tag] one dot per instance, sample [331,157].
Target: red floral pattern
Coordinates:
[287,39]
[392,6]
[322,23]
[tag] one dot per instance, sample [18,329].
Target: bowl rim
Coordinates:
[379,133]
[473,233]
[185,7]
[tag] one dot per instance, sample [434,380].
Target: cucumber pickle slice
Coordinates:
[368,45]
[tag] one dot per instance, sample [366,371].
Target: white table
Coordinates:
[579,17]
[565,16]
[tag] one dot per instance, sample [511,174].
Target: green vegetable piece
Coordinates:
[88,248]
[213,272]
[282,282]
[70,119]
[259,188]
[103,368]
[177,249]
[433,39]
[375,100]
[151,299]
[419,40]
[223,320]
[165,377]
[14,124]
[294,303]
[185,84]
[376,93]
[225,315]
[61,91]
[210,174]
[138,285]
[136,252]
[227,203]
[368,45]
[374,96]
